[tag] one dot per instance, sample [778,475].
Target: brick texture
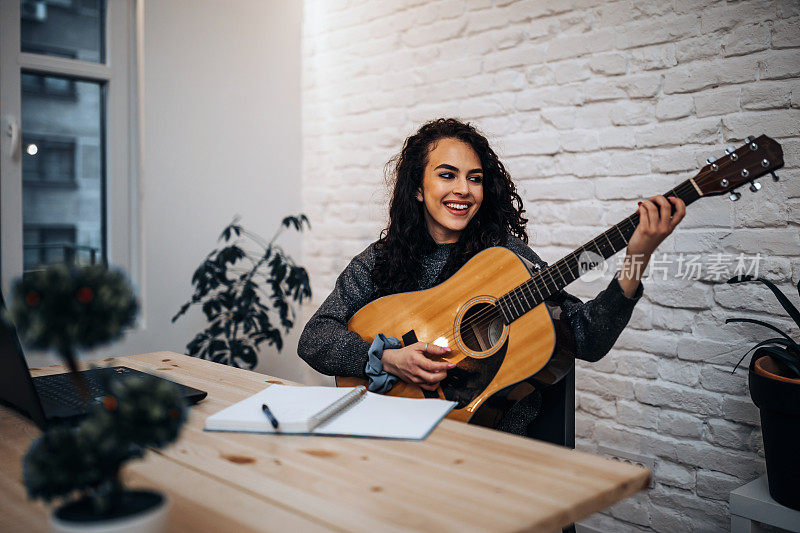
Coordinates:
[591,105]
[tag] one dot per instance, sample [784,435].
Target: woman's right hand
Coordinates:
[412,364]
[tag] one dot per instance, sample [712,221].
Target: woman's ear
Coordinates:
[419,194]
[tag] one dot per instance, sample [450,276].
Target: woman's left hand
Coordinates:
[656,222]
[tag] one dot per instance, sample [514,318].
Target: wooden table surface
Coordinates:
[461,478]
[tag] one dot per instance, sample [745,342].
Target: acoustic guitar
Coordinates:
[492,312]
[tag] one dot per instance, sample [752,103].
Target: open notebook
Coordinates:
[342,411]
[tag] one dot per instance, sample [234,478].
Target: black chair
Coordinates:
[556,421]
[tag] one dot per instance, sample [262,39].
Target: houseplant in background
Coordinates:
[774,379]
[67,308]
[234,284]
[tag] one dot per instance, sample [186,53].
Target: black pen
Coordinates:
[270,416]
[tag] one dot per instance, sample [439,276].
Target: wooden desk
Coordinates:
[461,478]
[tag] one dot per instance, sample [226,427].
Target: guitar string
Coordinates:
[560,267]
[485,317]
[519,293]
[491,313]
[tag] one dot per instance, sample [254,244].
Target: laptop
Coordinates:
[55,398]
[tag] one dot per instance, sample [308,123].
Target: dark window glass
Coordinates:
[48,244]
[63,171]
[49,161]
[35,84]
[64,28]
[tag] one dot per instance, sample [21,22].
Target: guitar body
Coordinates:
[461,314]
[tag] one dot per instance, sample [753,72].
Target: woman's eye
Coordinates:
[477,179]
[447,175]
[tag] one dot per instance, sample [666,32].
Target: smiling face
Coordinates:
[452,189]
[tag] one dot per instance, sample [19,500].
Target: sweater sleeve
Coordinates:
[326,344]
[595,324]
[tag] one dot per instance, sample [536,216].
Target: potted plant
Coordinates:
[81,464]
[233,286]
[67,308]
[774,379]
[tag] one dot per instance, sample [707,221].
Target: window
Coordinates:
[49,244]
[33,84]
[68,122]
[64,28]
[48,161]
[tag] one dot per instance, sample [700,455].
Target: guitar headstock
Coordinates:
[758,156]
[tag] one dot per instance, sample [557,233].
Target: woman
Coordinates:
[453,198]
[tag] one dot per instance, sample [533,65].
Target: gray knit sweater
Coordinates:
[331,349]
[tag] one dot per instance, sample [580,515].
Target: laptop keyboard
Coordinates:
[60,389]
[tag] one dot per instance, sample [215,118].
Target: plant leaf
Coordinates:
[782,356]
[289,221]
[782,299]
[776,340]
[233,227]
[181,311]
[760,323]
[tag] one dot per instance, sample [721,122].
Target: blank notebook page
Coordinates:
[389,417]
[374,415]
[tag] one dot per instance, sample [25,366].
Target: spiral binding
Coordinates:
[337,407]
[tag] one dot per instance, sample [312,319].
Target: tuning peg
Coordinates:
[735,196]
[711,160]
[755,186]
[729,150]
[750,138]
[774,176]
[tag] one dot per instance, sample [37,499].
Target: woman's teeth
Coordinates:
[458,206]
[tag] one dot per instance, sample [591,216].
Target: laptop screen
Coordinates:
[16,385]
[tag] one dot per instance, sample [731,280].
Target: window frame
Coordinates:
[119,74]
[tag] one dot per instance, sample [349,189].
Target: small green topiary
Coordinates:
[85,460]
[67,308]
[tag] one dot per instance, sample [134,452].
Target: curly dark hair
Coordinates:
[406,239]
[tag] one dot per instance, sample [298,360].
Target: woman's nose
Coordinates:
[461,186]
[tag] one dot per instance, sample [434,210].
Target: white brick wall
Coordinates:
[591,105]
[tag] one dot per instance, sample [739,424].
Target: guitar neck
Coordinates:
[758,156]
[555,277]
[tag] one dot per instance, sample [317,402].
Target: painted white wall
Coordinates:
[220,117]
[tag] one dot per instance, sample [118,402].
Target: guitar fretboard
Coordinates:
[549,281]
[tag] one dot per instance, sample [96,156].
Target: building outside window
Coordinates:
[68,163]
[48,244]
[48,161]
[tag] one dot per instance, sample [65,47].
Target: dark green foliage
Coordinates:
[69,307]
[784,350]
[139,411]
[72,306]
[246,295]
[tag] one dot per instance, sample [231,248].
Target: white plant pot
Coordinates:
[150,520]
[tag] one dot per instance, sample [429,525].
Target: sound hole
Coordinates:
[481,327]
